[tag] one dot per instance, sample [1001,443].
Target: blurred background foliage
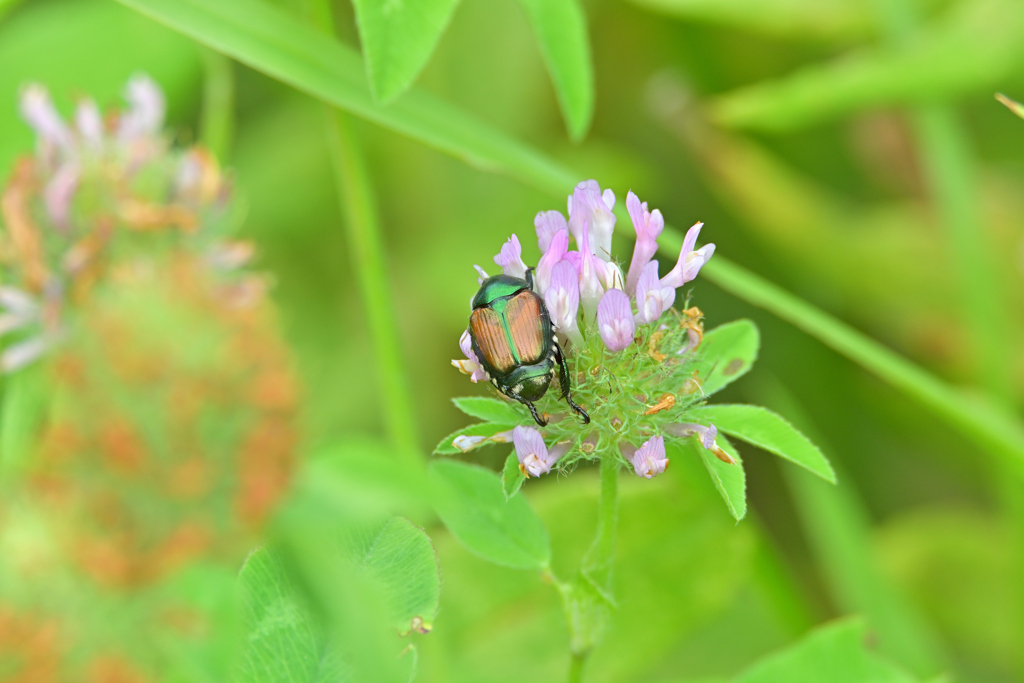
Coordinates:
[849,151]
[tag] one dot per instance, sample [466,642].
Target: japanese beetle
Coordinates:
[513,339]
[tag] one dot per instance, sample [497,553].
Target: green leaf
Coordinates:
[398,37]
[284,642]
[471,502]
[836,652]
[512,477]
[400,556]
[561,30]
[726,354]
[800,19]
[764,429]
[447,445]
[491,409]
[730,480]
[976,47]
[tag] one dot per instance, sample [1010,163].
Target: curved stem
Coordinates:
[587,599]
[362,224]
[597,563]
[576,668]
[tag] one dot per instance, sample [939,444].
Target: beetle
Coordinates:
[513,338]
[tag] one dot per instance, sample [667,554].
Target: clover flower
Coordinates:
[633,361]
[90,182]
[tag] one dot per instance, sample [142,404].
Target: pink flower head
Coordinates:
[471,364]
[648,226]
[38,111]
[589,207]
[690,261]
[651,298]
[591,269]
[557,249]
[650,459]
[615,320]
[706,435]
[534,458]
[511,258]
[146,106]
[548,223]
[562,298]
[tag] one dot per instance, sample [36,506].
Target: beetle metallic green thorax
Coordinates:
[514,341]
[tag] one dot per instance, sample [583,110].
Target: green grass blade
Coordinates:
[561,30]
[951,175]
[398,39]
[838,530]
[273,42]
[975,48]
[797,19]
[367,255]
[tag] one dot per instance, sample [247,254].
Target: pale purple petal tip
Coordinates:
[89,123]
[531,451]
[592,210]
[510,259]
[615,320]
[472,366]
[650,460]
[59,192]
[556,251]
[548,224]
[562,296]
[38,111]
[648,226]
[708,437]
[146,106]
[648,301]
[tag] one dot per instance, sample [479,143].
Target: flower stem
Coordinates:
[576,668]
[597,563]
[362,226]
[587,599]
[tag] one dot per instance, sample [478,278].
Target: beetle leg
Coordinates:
[563,379]
[533,411]
[529,279]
